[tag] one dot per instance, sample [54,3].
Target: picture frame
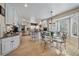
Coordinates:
[2,11]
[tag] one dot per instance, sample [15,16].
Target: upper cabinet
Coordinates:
[11,15]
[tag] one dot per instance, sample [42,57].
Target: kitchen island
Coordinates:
[9,43]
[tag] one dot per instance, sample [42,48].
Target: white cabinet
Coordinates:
[16,42]
[9,44]
[9,14]
[0,47]
[6,46]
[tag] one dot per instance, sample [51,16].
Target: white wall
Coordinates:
[44,23]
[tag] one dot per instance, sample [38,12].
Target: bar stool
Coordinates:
[60,41]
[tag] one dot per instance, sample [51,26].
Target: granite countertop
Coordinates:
[9,35]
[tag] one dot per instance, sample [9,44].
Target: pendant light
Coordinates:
[50,21]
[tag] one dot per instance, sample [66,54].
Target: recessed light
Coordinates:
[25,5]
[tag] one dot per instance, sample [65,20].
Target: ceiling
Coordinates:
[41,10]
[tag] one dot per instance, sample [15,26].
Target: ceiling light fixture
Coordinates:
[25,5]
[50,21]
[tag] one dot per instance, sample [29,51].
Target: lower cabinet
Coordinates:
[16,42]
[6,46]
[9,44]
[0,47]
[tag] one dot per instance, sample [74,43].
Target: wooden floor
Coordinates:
[32,48]
[28,47]
[72,47]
